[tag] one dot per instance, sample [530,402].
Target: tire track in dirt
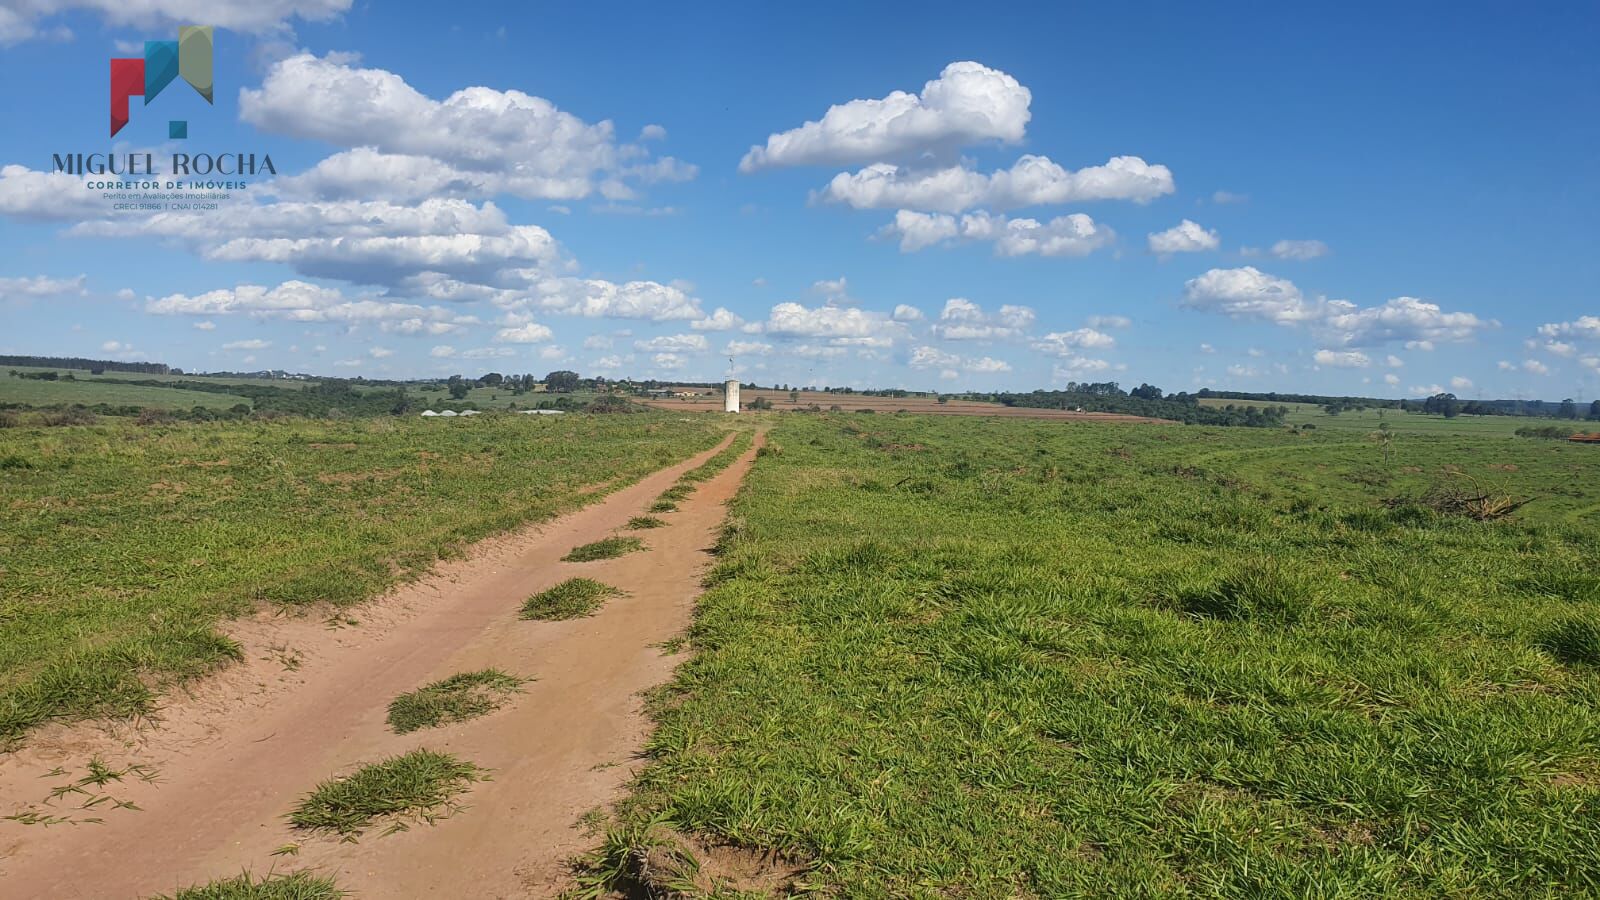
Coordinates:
[234,754]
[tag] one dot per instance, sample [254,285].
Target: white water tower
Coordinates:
[730,395]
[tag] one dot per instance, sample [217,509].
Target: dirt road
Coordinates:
[229,759]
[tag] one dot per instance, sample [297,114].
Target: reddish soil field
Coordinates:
[921,405]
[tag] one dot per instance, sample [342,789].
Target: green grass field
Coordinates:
[89,392]
[947,657]
[1400,420]
[123,545]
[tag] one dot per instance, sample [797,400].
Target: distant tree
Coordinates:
[1444,404]
[492,379]
[1594,411]
[459,389]
[1384,437]
[1568,410]
[794,396]
[1146,392]
[609,403]
[561,381]
[759,403]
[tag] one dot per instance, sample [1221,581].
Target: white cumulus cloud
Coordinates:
[963,320]
[41,286]
[1342,359]
[22,20]
[1299,250]
[968,103]
[1586,328]
[527,333]
[1032,181]
[404,145]
[1075,234]
[1185,237]
[673,343]
[1249,293]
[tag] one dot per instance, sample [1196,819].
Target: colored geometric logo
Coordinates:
[188,57]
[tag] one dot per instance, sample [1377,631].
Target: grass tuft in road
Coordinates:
[677,492]
[297,886]
[462,696]
[571,599]
[609,548]
[641,522]
[419,784]
[715,464]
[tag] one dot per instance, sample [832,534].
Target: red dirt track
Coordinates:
[234,754]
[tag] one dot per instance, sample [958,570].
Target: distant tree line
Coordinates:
[330,396]
[93,365]
[1145,400]
[1444,404]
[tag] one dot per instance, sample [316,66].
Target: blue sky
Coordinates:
[1359,199]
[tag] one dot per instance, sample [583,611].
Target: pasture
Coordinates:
[87,391]
[993,658]
[123,545]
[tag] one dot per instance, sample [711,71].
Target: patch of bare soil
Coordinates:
[201,792]
[689,864]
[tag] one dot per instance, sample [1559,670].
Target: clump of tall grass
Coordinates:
[571,599]
[296,886]
[1545,432]
[1574,640]
[605,548]
[464,695]
[420,784]
[1261,590]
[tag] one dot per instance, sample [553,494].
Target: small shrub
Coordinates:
[9,419]
[1573,640]
[421,783]
[570,599]
[462,696]
[663,506]
[1467,498]
[1261,591]
[298,886]
[65,417]
[676,492]
[640,522]
[1545,432]
[608,548]
[611,403]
